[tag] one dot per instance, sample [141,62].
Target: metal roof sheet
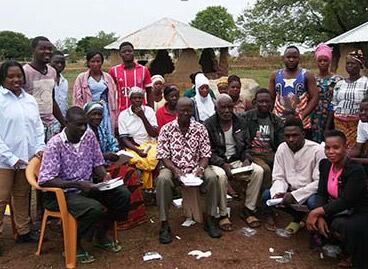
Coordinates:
[168,33]
[358,34]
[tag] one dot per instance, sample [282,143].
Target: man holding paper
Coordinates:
[230,151]
[68,162]
[184,149]
[295,175]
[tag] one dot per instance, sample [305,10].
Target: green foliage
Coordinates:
[278,22]
[216,21]
[249,49]
[14,45]
[95,42]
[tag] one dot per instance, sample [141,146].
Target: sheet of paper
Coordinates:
[273,202]
[188,222]
[191,180]
[178,203]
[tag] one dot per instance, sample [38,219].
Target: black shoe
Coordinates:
[212,230]
[165,235]
[30,237]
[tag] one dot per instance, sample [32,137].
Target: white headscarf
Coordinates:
[205,105]
[157,78]
[135,89]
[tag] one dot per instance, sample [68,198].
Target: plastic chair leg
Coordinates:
[70,241]
[42,234]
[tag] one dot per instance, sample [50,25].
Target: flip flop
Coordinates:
[270,224]
[293,227]
[252,221]
[225,224]
[84,257]
[108,246]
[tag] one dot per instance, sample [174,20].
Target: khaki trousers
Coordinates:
[252,182]
[14,186]
[165,187]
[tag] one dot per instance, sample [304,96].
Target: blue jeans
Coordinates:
[312,202]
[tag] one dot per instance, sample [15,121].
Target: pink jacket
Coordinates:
[82,95]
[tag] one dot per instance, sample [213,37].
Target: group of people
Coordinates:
[299,144]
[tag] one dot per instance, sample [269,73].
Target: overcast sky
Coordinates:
[57,19]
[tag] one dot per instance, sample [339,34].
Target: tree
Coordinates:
[14,45]
[66,45]
[216,21]
[278,22]
[95,42]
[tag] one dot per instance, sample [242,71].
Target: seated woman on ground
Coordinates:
[138,132]
[109,146]
[204,104]
[343,196]
[108,143]
[158,85]
[167,112]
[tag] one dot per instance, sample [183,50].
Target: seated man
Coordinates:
[359,153]
[229,146]
[138,130]
[266,133]
[184,148]
[68,162]
[295,174]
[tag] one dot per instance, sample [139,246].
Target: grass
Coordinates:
[260,75]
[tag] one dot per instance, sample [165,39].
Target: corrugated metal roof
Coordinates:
[358,34]
[170,34]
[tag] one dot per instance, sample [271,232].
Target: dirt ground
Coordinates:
[233,250]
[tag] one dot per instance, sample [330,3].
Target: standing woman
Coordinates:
[96,85]
[21,137]
[347,96]
[326,82]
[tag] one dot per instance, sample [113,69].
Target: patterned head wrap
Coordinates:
[222,82]
[91,106]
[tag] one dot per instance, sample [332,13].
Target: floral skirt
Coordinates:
[348,125]
[137,213]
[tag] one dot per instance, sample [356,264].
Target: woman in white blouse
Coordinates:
[21,137]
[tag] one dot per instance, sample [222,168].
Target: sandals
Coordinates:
[293,227]
[270,224]
[225,224]
[84,257]
[109,246]
[250,219]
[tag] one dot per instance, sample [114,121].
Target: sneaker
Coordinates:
[30,237]
[212,230]
[165,235]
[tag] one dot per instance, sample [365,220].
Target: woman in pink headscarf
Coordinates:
[326,83]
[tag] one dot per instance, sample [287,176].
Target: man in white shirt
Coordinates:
[359,152]
[295,174]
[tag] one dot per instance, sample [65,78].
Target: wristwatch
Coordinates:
[201,168]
